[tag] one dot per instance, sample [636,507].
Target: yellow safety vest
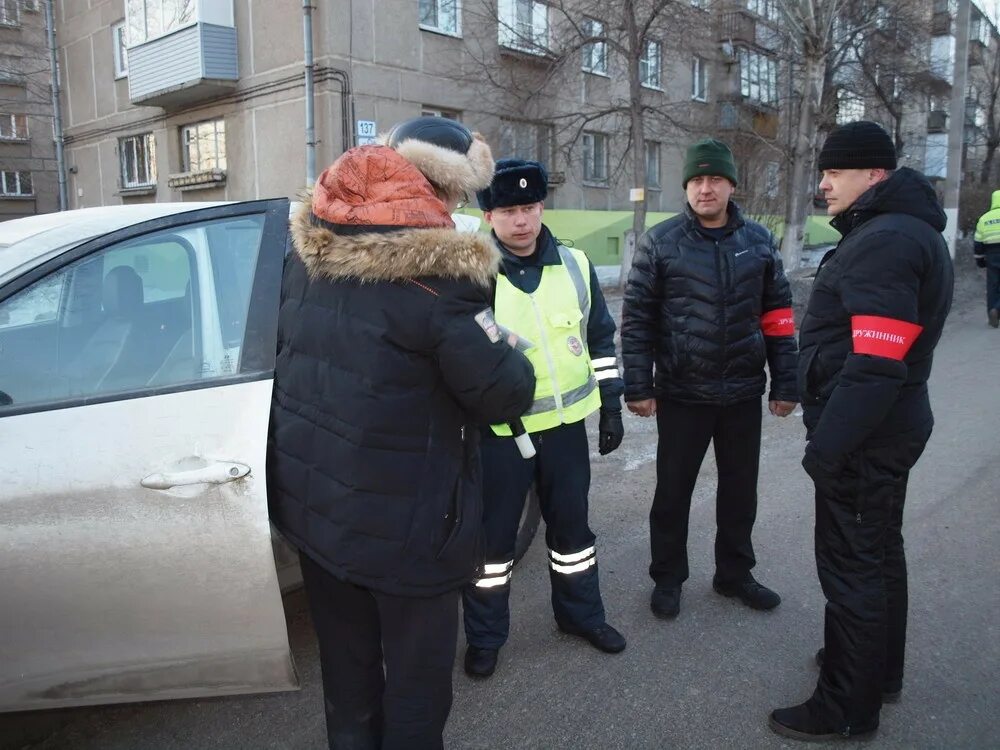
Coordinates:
[554,319]
[988,226]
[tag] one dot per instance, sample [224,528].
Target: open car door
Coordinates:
[135,385]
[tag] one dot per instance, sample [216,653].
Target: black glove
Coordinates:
[981,261]
[610,431]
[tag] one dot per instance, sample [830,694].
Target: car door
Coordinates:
[135,546]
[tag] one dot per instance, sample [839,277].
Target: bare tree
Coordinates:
[810,24]
[569,71]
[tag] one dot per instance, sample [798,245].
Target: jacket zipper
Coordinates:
[724,287]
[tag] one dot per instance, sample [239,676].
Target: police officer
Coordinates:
[549,296]
[876,312]
[987,254]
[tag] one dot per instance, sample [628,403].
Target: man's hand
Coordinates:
[644,408]
[610,431]
[781,408]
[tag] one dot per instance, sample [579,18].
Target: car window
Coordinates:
[162,310]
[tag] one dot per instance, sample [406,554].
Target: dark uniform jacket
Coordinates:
[708,314]
[383,374]
[876,312]
[525,273]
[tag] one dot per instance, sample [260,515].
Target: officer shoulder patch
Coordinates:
[488,323]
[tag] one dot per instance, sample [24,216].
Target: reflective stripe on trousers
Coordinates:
[574,562]
[494,575]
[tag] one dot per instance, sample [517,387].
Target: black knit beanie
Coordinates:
[709,157]
[858,145]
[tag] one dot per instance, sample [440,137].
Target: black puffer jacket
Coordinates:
[708,315]
[383,375]
[876,312]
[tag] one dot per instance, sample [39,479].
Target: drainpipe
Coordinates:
[307,38]
[57,127]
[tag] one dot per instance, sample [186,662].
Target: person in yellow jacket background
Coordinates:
[987,254]
[549,297]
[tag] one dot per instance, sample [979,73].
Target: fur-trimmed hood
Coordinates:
[392,255]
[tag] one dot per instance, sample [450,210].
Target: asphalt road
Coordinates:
[708,679]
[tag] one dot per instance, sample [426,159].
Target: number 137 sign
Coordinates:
[366,132]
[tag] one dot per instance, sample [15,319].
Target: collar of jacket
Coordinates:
[734,222]
[546,252]
[905,192]
[403,253]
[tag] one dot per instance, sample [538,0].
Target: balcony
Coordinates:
[937,121]
[745,117]
[186,66]
[738,25]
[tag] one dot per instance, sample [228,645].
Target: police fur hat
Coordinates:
[452,158]
[515,183]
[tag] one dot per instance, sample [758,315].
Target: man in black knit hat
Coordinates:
[707,305]
[876,313]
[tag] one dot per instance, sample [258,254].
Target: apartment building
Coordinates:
[28,176]
[204,99]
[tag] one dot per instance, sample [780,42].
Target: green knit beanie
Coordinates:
[709,157]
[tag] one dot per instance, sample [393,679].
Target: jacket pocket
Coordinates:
[566,318]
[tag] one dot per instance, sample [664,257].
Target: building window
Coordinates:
[699,79]
[148,19]
[204,146]
[520,139]
[441,15]
[451,114]
[772,179]
[979,31]
[9,15]
[768,9]
[595,157]
[652,164]
[137,154]
[15,183]
[649,65]
[850,107]
[758,76]
[13,127]
[31,5]
[119,40]
[595,54]
[523,25]
[699,4]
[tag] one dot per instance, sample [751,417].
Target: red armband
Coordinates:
[883,337]
[778,322]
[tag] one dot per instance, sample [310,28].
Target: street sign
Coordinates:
[366,132]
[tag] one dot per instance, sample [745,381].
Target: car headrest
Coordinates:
[122,291]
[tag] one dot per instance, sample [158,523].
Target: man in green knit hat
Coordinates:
[707,305]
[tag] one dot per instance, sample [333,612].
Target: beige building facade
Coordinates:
[141,128]
[179,100]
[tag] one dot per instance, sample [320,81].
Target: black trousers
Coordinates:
[993,281]
[402,705]
[561,472]
[862,569]
[684,434]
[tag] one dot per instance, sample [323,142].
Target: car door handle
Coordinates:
[217,473]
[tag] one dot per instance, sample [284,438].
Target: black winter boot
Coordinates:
[805,722]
